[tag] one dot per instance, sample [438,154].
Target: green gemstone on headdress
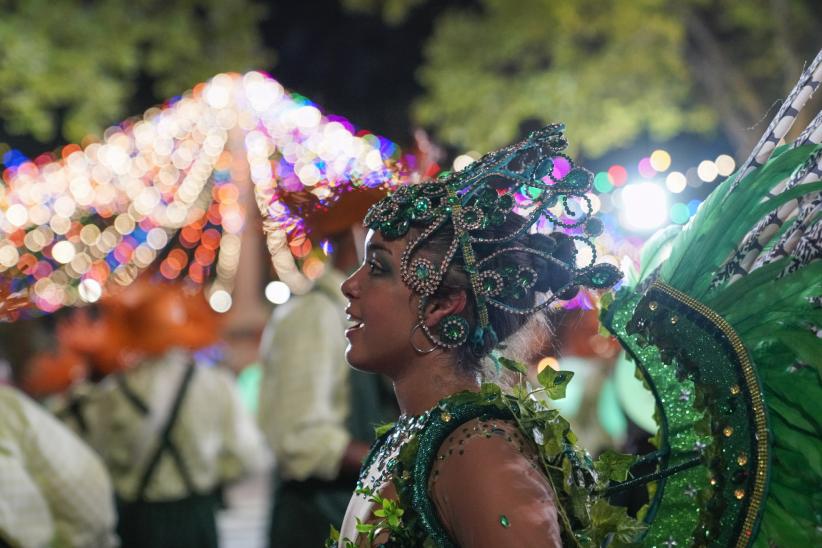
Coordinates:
[470,217]
[505,202]
[601,276]
[488,197]
[422,272]
[526,278]
[594,227]
[489,284]
[534,192]
[577,180]
[503,520]
[422,205]
[395,228]
[403,195]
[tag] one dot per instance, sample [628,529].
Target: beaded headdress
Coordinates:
[533,179]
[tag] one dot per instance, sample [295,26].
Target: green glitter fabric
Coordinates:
[734,363]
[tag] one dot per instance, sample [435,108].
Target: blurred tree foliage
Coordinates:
[393,12]
[78,63]
[610,69]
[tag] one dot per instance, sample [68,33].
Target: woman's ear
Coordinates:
[437,308]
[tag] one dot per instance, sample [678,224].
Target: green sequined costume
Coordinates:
[723,322]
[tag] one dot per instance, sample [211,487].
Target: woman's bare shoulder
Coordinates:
[489,488]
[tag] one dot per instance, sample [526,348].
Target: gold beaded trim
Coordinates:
[757,403]
[468,256]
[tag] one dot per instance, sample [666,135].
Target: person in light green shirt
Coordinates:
[54,491]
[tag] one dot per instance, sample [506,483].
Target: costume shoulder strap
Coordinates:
[441,424]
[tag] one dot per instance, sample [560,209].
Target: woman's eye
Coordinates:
[374,266]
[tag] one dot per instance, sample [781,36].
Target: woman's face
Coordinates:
[382,308]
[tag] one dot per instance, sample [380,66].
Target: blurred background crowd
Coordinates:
[152,357]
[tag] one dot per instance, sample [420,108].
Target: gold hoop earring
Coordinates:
[414,346]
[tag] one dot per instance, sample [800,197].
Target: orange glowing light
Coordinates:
[211,238]
[68,150]
[189,235]
[618,175]
[228,193]
[177,258]
[204,255]
[168,270]
[27,263]
[99,272]
[197,273]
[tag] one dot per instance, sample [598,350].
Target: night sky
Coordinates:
[351,64]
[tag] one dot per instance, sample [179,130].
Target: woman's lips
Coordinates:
[355,324]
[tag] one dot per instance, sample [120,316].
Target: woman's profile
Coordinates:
[451,274]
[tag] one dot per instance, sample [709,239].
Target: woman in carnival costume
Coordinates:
[722,322]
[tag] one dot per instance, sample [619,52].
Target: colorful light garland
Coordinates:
[162,187]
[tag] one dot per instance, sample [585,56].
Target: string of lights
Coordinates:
[161,188]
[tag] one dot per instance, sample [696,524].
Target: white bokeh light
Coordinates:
[644,206]
[63,252]
[220,301]
[676,182]
[707,171]
[90,290]
[277,292]
[725,165]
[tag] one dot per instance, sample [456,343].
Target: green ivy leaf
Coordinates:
[513,365]
[554,436]
[381,429]
[606,519]
[333,539]
[613,466]
[555,382]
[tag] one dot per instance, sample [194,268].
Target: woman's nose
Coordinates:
[350,287]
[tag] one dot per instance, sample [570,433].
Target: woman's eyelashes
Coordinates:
[376,267]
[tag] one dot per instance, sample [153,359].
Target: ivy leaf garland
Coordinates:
[586,519]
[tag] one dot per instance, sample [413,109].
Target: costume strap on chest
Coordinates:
[441,424]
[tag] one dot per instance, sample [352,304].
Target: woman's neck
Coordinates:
[430,379]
